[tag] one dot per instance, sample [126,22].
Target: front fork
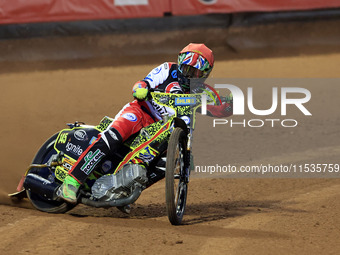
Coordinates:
[189,159]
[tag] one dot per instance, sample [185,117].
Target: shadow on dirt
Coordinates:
[195,213]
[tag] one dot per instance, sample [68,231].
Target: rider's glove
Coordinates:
[140,90]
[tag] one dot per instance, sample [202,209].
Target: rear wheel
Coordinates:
[38,201]
[176,187]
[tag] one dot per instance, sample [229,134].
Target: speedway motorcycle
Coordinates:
[164,148]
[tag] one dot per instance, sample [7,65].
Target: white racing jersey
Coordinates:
[164,78]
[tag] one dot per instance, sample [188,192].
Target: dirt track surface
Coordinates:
[224,215]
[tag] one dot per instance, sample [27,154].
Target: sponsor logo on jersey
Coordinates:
[130,116]
[174,74]
[91,160]
[173,88]
[74,149]
[160,109]
[157,70]
[92,139]
[80,135]
[186,119]
[185,101]
[67,164]
[62,138]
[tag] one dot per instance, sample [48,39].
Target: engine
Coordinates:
[120,185]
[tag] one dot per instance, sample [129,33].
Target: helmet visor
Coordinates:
[190,71]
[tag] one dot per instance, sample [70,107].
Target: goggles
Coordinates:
[191,72]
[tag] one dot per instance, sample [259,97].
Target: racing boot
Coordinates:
[68,190]
[107,143]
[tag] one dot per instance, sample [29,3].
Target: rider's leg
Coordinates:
[132,118]
[106,143]
[129,121]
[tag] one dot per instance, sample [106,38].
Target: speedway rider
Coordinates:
[194,61]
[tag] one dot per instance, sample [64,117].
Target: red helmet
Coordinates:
[196,61]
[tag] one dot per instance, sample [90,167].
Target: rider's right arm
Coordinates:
[158,75]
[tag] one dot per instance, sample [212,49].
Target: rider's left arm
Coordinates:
[223,110]
[217,109]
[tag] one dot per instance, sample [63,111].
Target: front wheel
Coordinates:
[176,186]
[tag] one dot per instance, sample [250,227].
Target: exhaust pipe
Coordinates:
[47,189]
[39,185]
[116,202]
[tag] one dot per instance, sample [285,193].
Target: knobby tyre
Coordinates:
[176,187]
